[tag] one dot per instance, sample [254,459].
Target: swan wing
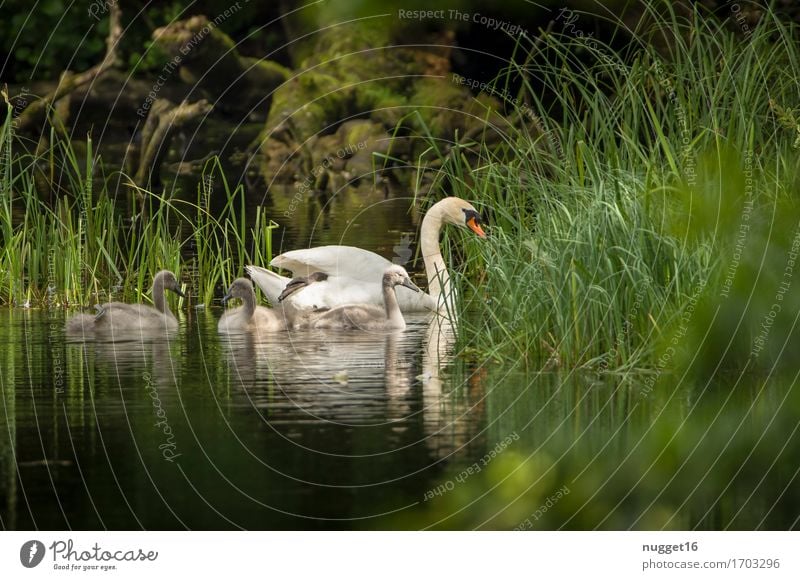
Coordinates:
[354,277]
[271,284]
[329,293]
[123,308]
[336,261]
[336,291]
[353,316]
[122,317]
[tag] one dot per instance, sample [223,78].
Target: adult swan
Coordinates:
[354,275]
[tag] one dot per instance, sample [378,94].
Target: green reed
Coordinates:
[68,241]
[615,197]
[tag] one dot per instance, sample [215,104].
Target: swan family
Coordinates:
[353,275]
[369,316]
[333,287]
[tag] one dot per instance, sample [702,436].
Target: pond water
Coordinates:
[297,430]
[350,430]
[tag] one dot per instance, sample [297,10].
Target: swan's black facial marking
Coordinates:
[472,214]
[176,287]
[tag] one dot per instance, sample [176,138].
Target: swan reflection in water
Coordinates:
[325,375]
[354,378]
[133,352]
[135,377]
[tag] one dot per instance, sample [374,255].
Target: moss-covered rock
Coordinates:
[359,141]
[349,79]
[206,58]
[309,104]
[445,108]
[357,85]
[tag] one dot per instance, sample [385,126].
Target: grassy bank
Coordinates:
[617,207]
[68,239]
[646,218]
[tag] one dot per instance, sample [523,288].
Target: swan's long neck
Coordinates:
[435,268]
[248,305]
[393,314]
[159,299]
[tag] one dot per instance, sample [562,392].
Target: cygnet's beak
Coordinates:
[226,298]
[178,292]
[410,285]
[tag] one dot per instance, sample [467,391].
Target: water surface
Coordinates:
[346,430]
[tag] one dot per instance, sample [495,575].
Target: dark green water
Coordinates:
[207,431]
[204,431]
[343,430]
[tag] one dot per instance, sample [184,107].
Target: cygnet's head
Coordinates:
[241,288]
[301,282]
[168,281]
[397,276]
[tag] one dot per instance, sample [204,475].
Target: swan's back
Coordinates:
[354,316]
[268,320]
[249,316]
[118,316]
[336,261]
[80,324]
[262,320]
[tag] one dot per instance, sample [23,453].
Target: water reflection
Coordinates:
[442,406]
[204,430]
[342,377]
[130,355]
[311,429]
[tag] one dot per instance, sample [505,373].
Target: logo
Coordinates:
[31,553]
[402,251]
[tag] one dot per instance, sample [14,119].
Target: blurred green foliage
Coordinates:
[729,461]
[44,38]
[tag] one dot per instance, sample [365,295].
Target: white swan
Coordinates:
[366,316]
[248,316]
[120,317]
[353,273]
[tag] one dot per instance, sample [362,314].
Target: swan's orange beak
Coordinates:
[473,224]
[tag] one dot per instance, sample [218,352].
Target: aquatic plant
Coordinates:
[67,240]
[617,189]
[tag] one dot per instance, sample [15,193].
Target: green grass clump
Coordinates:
[581,279]
[64,243]
[617,190]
